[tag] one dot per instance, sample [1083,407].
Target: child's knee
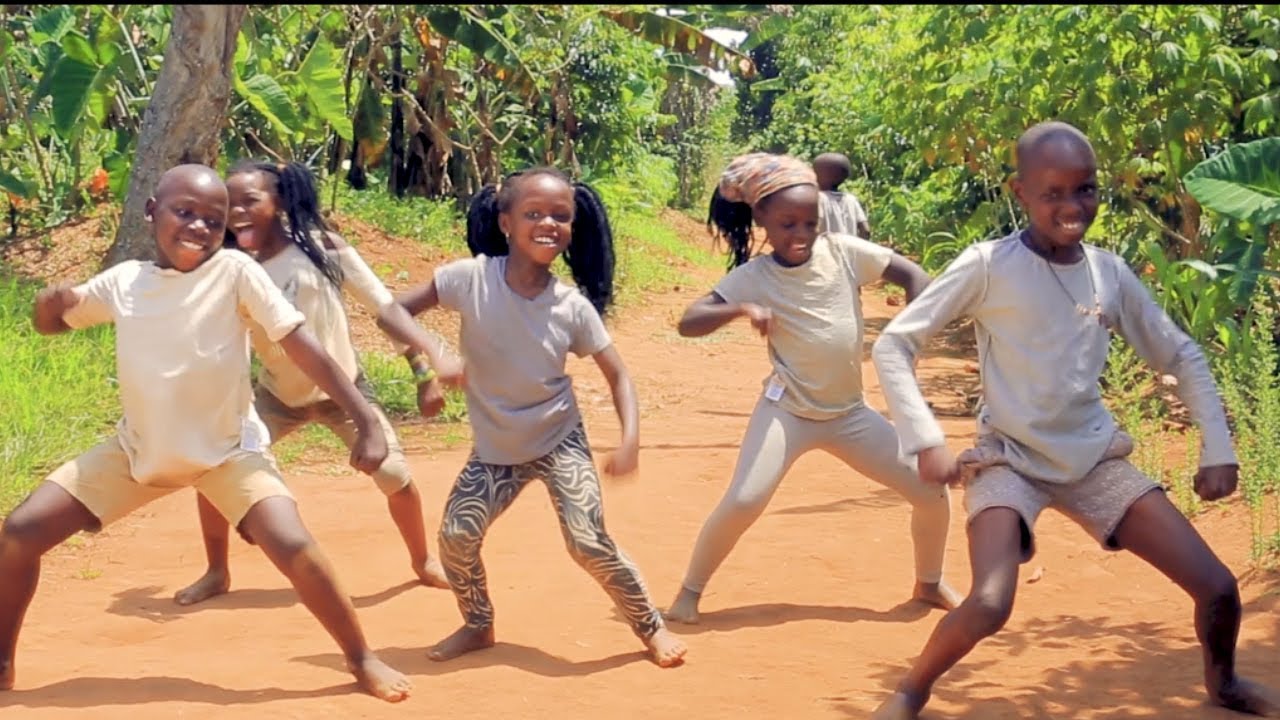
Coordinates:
[457,535]
[23,535]
[988,612]
[589,549]
[1218,586]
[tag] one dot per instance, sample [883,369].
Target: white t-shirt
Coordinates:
[182,359]
[815,344]
[1041,358]
[519,399]
[304,285]
[839,212]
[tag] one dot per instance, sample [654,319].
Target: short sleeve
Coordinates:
[868,259]
[454,282]
[262,301]
[740,285]
[359,280]
[589,335]
[854,209]
[98,299]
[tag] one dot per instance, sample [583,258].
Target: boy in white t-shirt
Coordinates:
[182,357]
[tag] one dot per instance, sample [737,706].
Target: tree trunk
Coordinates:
[184,120]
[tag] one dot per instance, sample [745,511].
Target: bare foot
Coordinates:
[685,608]
[1249,697]
[431,573]
[212,584]
[667,649]
[899,707]
[939,595]
[380,680]
[6,675]
[462,641]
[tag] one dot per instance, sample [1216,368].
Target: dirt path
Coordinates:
[805,620]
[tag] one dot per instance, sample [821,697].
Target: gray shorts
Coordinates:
[1097,502]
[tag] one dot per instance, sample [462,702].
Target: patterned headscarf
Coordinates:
[750,178]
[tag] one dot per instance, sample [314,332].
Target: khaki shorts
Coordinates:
[1097,502]
[281,420]
[103,482]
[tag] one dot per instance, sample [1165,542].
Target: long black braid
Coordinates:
[731,222]
[295,191]
[590,253]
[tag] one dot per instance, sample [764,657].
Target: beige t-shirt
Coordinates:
[839,212]
[312,293]
[815,344]
[1040,358]
[182,359]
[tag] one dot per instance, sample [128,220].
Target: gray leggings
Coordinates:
[863,439]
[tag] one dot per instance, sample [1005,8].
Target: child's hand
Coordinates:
[1217,481]
[938,466]
[431,398]
[55,300]
[761,317]
[623,461]
[450,371]
[369,450]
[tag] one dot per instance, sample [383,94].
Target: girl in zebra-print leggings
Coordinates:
[518,326]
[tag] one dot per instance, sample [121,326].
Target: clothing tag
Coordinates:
[775,389]
[250,437]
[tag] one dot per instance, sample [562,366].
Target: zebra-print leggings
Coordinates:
[483,491]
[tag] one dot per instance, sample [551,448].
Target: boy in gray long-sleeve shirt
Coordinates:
[1044,305]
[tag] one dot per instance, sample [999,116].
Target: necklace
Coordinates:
[1096,310]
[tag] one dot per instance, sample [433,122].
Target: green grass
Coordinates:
[432,223]
[59,393]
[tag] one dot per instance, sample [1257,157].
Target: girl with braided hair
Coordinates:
[519,323]
[275,217]
[804,298]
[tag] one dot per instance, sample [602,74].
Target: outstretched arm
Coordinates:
[626,458]
[710,313]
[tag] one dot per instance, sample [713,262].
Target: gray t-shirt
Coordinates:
[519,398]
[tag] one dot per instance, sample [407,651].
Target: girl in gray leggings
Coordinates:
[804,297]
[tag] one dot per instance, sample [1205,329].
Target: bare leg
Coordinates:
[217,537]
[44,520]
[994,553]
[1155,531]
[276,527]
[405,507]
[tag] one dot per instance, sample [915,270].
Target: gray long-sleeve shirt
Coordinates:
[1041,356]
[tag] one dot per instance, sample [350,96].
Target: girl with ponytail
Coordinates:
[519,323]
[803,297]
[275,217]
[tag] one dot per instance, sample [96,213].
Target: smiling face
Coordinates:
[189,216]
[254,211]
[539,222]
[790,220]
[1057,184]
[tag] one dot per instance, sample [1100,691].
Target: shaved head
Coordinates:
[188,177]
[1055,134]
